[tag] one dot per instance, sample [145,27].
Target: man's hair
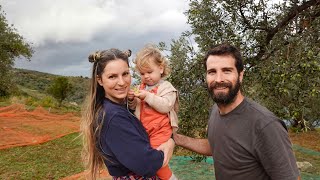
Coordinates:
[225,50]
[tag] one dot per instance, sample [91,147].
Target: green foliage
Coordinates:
[47,102]
[35,84]
[188,77]
[12,45]
[60,89]
[280,44]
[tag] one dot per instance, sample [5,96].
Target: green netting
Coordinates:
[305,150]
[186,169]
[307,176]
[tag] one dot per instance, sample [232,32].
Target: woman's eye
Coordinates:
[126,73]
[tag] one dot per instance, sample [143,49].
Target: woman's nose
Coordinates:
[121,81]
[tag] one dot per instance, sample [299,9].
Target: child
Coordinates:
[156,101]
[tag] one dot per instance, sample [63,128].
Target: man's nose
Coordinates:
[219,77]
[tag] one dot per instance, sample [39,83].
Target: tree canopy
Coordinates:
[280,43]
[12,46]
[60,89]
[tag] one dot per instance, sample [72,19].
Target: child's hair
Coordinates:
[151,53]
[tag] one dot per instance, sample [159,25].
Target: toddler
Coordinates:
[156,101]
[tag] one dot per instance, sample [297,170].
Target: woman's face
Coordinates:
[116,80]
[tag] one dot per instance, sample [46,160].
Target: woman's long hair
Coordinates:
[93,114]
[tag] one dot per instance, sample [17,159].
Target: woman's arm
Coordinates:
[125,136]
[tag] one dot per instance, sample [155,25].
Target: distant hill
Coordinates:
[35,83]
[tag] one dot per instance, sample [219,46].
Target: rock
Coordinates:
[304,165]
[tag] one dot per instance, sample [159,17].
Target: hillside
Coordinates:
[34,83]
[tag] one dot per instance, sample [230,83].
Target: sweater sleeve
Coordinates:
[131,148]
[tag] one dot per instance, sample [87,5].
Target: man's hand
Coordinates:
[167,149]
[178,138]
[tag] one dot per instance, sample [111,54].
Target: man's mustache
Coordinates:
[215,85]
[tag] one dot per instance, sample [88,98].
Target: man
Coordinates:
[246,140]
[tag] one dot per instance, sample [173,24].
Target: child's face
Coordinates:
[152,74]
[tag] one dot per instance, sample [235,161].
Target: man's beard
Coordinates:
[224,98]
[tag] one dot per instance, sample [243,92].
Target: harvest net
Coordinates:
[20,127]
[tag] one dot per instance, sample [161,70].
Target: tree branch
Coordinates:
[292,14]
[247,22]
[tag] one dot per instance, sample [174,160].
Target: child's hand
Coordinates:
[131,95]
[141,94]
[135,89]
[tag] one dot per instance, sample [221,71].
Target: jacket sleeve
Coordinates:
[162,104]
[165,100]
[131,148]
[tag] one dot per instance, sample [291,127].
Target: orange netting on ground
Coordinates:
[19,127]
[103,175]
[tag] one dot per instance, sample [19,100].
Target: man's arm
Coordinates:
[200,146]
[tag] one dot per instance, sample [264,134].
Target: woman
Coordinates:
[112,134]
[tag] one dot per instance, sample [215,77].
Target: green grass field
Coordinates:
[61,158]
[52,160]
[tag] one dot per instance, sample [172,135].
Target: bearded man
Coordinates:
[246,140]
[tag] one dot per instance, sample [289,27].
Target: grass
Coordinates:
[61,158]
[307,148]
[52,160]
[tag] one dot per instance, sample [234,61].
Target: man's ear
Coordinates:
[241,76]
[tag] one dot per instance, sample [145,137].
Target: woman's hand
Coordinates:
[131,95]
[167,149]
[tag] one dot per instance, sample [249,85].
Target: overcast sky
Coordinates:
[64,32]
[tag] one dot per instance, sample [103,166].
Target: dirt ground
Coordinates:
[310,139]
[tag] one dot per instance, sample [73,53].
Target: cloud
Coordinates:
[80,20]
[63,33]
